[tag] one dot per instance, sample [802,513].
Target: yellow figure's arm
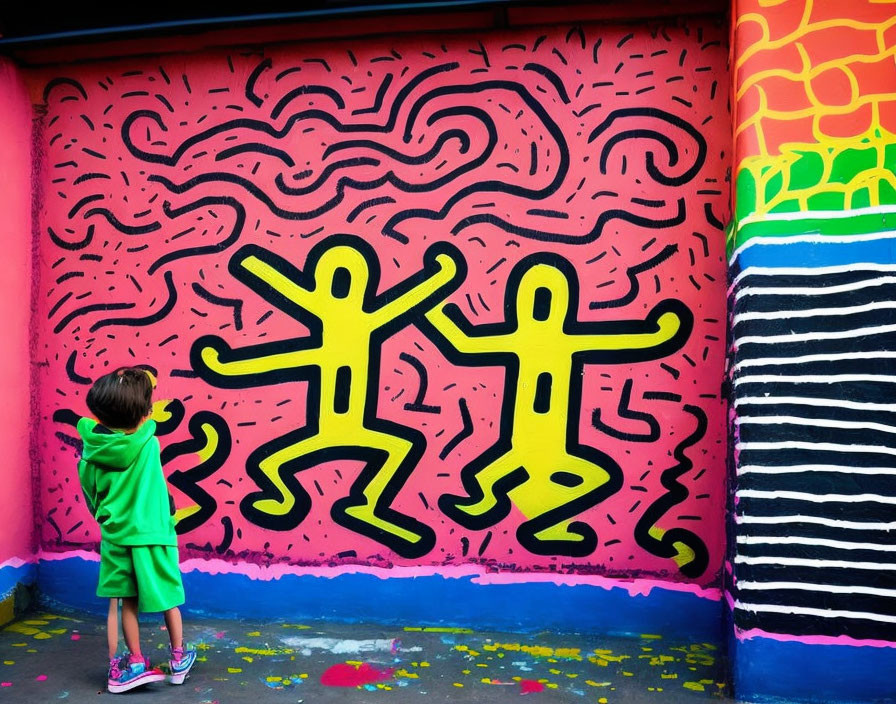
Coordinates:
[282,284]
[408,300]
[669,325]
[466,344]
[258,365]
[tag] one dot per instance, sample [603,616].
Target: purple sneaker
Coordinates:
[181,662]
[129,672]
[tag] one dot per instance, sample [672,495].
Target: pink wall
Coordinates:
[195,221]
[15,294]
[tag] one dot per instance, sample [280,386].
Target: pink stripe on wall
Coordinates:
[15,313]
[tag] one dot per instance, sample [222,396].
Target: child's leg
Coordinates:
[112,628]
[174,623]
[130,624]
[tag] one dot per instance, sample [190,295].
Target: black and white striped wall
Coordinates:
[814,394]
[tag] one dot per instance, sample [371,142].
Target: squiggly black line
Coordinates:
[552,77]
[418,403]
[624,411]
[149,319]
[253,77]
[63,81]
[464,433]
[664,139]
[675,494]
[234,303]
[306,90]
[634,285]
[124,229]
[256,147]
[60,326]
[267,128]
[71,246]
[378,100]
[173,213]
[73,376]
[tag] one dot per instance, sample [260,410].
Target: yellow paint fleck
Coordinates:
[602,700]
[695,686]
[436,629]
[35,622]
[592,683]
[481,664]
[670,676]
[254,633]
[275,678]
[248,658]
[31,650]
[9,662]
[234,670]
[18,645]
[628,674]
[465,672]
[650,636]
[554,671]
[551,685]
[263,651]
[42,636]
[303,676]
[572,675]
[458,684]
[202,658]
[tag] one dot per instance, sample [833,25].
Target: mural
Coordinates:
[812,322]
[410,303]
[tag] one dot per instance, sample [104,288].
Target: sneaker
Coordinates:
[129,672]
[181,662]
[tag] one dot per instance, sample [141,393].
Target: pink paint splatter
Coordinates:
[76,636]
[530,686]
[219,635]
[5,684]
[345,675]
[40,678]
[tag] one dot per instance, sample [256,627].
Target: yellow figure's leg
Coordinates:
[573,485]
[282,503]
[487,501]
[367,510]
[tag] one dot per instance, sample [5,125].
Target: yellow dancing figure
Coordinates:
[335,298]
[538,464]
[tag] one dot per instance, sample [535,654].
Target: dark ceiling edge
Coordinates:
[176,26]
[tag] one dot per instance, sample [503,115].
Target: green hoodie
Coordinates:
[121,475]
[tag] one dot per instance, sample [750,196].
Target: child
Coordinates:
[121,475]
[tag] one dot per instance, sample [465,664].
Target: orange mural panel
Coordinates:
[834,43]
[833,87]
[847,125]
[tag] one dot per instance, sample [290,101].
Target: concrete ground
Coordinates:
[48,657]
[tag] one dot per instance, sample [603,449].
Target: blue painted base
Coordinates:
[11,577]
[766,670]
[430,601]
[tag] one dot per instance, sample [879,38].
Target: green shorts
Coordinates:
[149,572]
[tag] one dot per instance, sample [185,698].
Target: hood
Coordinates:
[113,449]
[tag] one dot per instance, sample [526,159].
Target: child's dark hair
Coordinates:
[122,398]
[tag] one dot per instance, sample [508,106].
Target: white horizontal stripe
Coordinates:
[821,446]
[800,468]
[804,562]
[813,378]
[809,290]
[817,542]
[809,611]
[817,520]
[816,335]
[812,312]
[803,359]
[814,239]
[817,271]
[816,498]
[828,588]
[814,422]
[807,401]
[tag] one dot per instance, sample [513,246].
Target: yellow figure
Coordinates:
[538,464]
[335,297]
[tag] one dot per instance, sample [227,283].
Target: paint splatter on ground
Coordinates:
[42,661]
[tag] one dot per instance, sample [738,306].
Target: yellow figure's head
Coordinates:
[543,298]
[344,273]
